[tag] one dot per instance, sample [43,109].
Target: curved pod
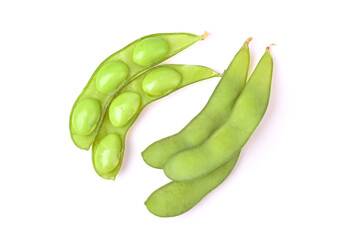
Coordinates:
[189,74]
[246,114]
[118,70]
[176,198]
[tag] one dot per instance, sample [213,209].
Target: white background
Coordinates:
[299,176]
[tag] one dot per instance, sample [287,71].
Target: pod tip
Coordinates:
[248,40]
[205,35]
[268,47]
[246,43]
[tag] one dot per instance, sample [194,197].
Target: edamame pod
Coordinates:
[176,198]
[214,114]
[115,72]
[228,139]
[104,162]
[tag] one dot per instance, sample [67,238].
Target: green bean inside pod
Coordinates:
[150,50]
[115,72]
[111,75]
[86,116]
[129,102]
[123,108]
[108,153]
[160,81]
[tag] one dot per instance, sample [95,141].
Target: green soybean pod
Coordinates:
[176,198]
[228,139]
[214,114]
[129,102]
[114,73]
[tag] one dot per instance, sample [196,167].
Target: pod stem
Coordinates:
[247,41]
[205,35]
[268,47]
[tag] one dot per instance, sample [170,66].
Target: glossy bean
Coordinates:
[86,116]
[150,50]
[189,74]
[123,108]
[119,69]
[161,81]
[110,76]
[108,153]
[214,114]
[176,198]
[233,134]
